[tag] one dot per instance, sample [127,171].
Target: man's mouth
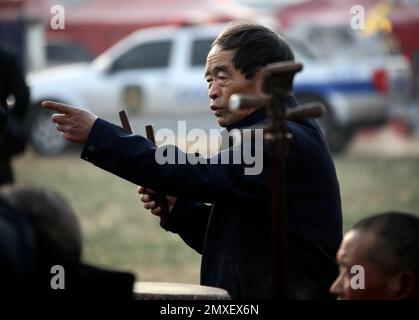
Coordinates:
[218,111]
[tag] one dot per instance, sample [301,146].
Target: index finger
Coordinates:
[60,107]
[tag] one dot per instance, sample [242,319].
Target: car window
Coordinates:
[66,52]
[145,56]
[200,49]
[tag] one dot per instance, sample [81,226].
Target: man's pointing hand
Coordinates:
[73,123]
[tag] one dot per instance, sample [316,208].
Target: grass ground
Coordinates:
[120,234]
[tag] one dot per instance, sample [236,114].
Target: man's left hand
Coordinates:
[73,123]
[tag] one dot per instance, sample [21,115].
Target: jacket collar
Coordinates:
[259,115]
[255,117]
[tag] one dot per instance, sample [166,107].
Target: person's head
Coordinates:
[386,246]
[53,220]
[235,62]
[58,236]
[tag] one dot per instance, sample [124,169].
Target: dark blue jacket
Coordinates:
[234,233]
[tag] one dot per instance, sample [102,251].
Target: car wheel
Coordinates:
[337,137]
[43,134]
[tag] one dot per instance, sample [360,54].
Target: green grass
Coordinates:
[373,185]
[120,234]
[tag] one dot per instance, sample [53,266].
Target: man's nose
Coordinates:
[336,287]
[214,91]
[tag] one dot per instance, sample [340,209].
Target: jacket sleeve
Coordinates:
[134,158]
[189,219]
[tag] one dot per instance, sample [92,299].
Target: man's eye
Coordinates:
[208,80]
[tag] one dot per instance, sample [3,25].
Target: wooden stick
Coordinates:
[150,133]
[161,199]
[124,120]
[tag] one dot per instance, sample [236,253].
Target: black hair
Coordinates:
[53,219]
[396,247]
[255,45]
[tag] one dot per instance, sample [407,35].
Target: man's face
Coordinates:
[352,252]
[223,81]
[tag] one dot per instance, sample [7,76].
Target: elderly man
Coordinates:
[379,259]
[219,210]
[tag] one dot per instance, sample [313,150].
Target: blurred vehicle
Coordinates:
[369,70]
[394,71]
[60,52]
[153,71]
[160,71]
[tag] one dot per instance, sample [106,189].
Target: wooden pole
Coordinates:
[277,80]
[160,199]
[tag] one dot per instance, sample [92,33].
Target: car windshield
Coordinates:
[301,51]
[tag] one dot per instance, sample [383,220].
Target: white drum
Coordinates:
[177,291]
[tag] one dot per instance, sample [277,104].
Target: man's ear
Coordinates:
[403,285]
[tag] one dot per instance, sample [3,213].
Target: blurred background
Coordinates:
[361,59]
